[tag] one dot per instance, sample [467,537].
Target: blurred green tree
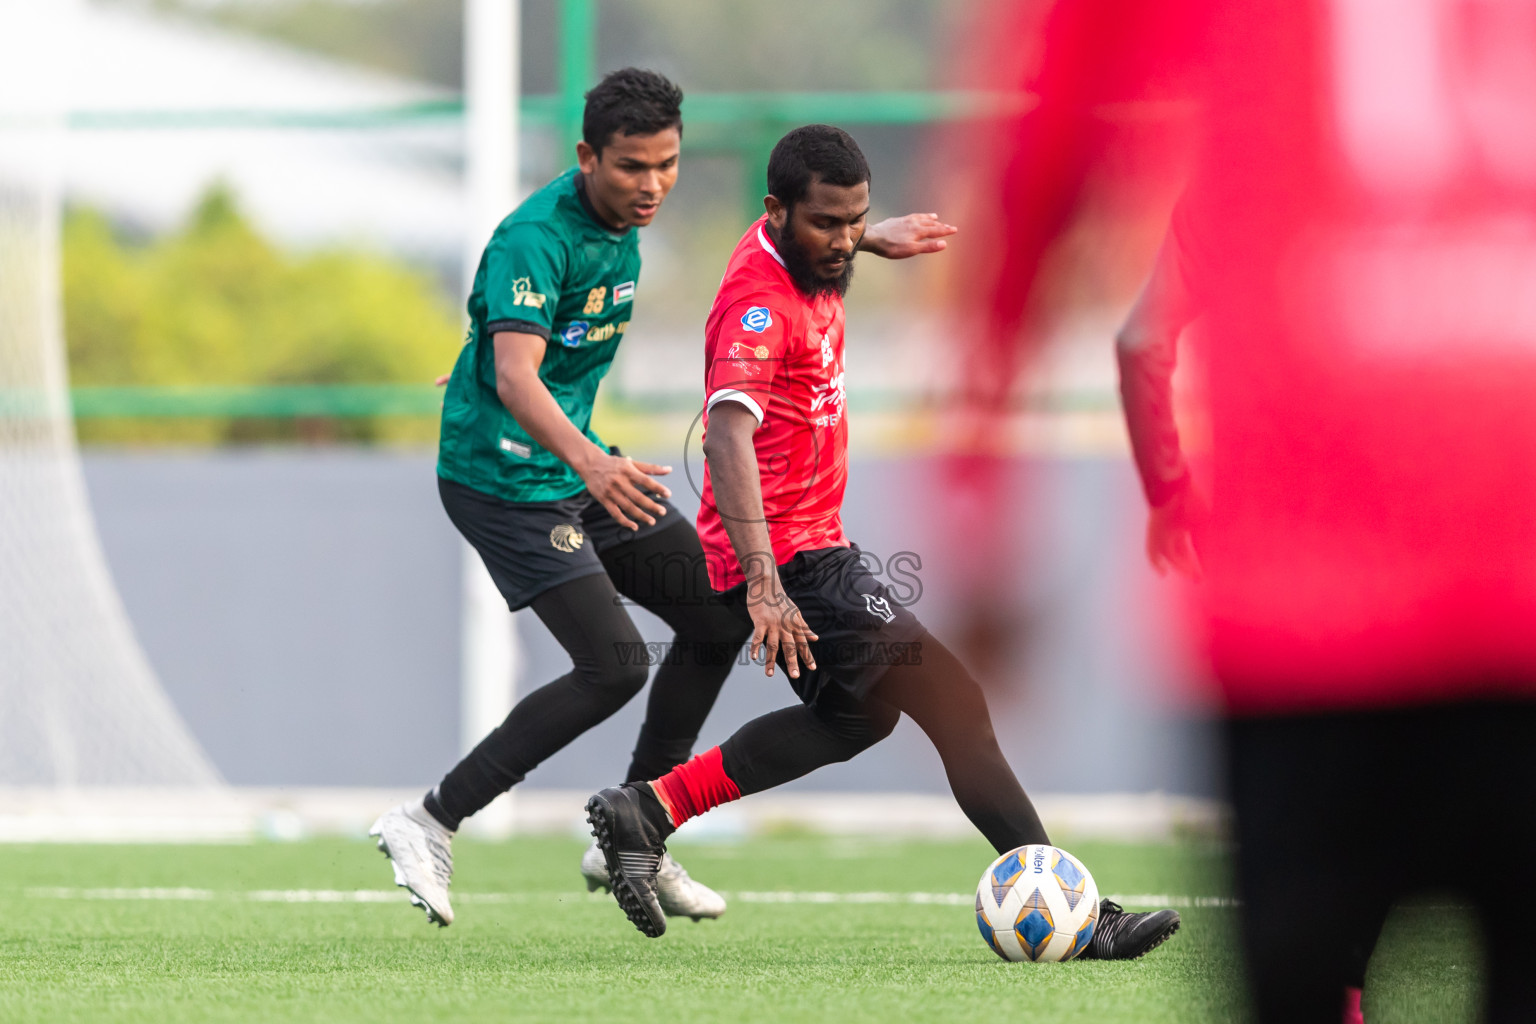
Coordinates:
[217,304]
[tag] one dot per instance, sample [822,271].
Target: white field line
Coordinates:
[396,895]
[61,893]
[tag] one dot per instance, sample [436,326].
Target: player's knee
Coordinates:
[861,730]
[957,694]
[630,679]
[881,722]
[621,680]
[845,747]
[872,732]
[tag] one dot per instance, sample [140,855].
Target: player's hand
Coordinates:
[1170,539]
[897,238]
[443,379]
[778,625]
[625,489]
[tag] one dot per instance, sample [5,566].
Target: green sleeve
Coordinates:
[525,266]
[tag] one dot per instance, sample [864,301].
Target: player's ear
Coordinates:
[586,157]
[776,211]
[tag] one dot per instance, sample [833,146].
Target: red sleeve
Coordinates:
[1147,351]
[1188,239]
[749,353]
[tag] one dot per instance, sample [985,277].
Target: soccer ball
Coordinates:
[1037,903]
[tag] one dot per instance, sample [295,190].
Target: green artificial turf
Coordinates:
[530,944]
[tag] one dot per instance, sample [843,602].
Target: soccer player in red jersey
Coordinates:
[776,450]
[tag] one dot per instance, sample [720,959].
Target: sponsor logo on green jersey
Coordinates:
[524,295]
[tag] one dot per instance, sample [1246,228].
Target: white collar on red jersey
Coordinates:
[762,240]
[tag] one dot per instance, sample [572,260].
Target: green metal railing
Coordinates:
[705,111]
[329,401]
[361,401]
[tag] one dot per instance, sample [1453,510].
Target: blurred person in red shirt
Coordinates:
[1364,201]
[1146,348]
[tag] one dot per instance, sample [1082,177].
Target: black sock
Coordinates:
[434,807]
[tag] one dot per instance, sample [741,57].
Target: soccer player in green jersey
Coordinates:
[565,524]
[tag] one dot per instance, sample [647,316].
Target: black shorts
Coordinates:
[531,546]
[861,631]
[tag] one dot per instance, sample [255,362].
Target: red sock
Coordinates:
[690,789]
[1352,1012]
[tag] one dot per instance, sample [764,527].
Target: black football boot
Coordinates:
[1122,935]
[631,827]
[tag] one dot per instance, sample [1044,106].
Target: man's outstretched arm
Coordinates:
[1147,351]
[776,622]
[897,238]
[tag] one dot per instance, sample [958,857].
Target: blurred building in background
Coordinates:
[318,152]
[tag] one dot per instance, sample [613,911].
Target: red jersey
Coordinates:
[770,348]
[1365,212]
[1372,354]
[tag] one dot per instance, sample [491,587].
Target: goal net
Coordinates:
[79,703]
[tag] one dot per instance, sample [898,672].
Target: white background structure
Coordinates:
[79,703]
[490,663]
[165,107]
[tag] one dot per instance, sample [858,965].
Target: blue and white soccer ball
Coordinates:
[1037,903]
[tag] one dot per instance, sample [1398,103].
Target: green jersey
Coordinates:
[552,269]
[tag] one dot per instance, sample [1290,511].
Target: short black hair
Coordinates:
[630,101]
[814,151]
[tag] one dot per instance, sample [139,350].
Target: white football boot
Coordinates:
[417,845]
[678,894]
[595,869]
